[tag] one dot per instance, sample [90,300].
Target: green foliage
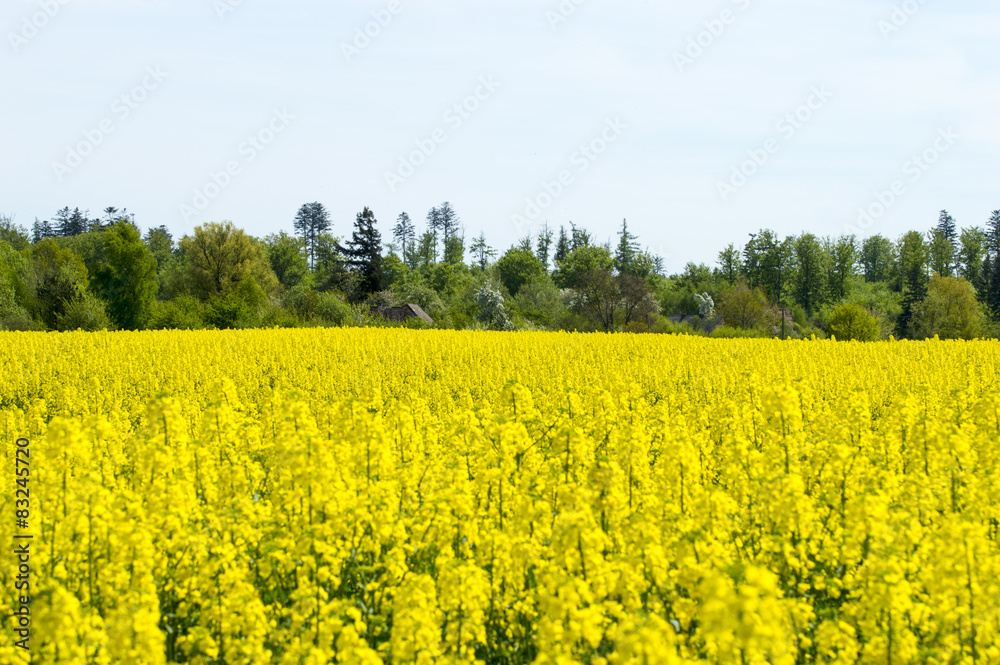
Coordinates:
[13,234]
[161,244]
[517,267]
[184,312]
[59,277]
[395,270]
[950,311]
[913,257]
[853,322]
[879,259]
[541,302]
[584,258]
[243,307]
[732,332]
[220,256]
[126,278]
[287,257]
[86,312]
[742,307]
[877,297]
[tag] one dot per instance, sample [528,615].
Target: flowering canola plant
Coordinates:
[396,496]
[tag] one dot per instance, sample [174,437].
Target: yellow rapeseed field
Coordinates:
[394,496]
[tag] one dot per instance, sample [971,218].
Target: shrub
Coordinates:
[332,310]
[87,312]
[731,332]
[182,313]
[853,322]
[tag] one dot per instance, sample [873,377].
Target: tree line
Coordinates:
[75,272]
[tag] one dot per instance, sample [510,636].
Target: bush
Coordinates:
[731,332]
[182,313]
[664,326]
[853,322]
[742,307]
[229,312]
[332,310]
[87,312]
[949,311]
[301,301]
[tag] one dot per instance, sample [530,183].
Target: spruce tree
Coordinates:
[544,245]
[627,250]
[993,291]
[993,234]
[562,247]
[945,244]
[364,254]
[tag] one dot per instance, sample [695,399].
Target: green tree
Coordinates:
[517,267]
[729,263]
[562,247]
[913,256]
[364,254]
[878,259]
[59,278]
[286,255]
[544,245]
[160,243]
[13,234]
[482,252]
[741,306]
[950,311]
[843,258]
[405,234]
[582,259]
[311,221]
[853,322]
[220,256]
[127,277]
[944,245]
[767,262]
[941,253]
[331,271]
[627,250]
[971,254]
[454,249]
[427,249]
[810,284]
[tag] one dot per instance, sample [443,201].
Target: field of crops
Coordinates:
[377,496]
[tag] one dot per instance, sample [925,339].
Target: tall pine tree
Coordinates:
[364,254]
[562,247]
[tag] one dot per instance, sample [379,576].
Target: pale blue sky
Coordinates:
[681,126]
